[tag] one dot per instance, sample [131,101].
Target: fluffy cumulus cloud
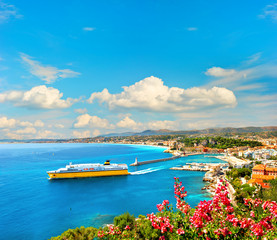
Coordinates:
[86,120]
[150,94]
[7,123]
[37,97]
[42,134]
[85,134]
[129,123]
[27,130]
[39,123]
[220,72]
[17,129]
[12,123]
[48,74]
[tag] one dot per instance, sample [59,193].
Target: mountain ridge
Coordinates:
[150,132]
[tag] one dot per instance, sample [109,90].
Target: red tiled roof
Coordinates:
[264,177]
[259,167]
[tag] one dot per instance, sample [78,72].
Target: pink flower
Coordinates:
[160,207]
[180,231]
[257,229]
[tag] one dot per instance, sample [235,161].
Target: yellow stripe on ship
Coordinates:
[89,174]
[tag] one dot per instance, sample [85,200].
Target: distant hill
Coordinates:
[192,132]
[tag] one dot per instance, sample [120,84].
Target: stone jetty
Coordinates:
[136,163]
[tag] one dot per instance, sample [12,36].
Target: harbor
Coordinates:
[202,167]
[214,173]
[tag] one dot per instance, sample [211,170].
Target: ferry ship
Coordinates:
[89,170]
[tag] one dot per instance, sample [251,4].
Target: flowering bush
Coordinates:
[214,219]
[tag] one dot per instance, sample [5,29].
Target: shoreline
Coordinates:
[149,145]
[233,160]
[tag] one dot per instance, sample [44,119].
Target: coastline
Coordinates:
[233,160]
[136,144]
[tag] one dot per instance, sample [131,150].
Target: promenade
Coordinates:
[233,160]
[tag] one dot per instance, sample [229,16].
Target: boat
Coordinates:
[89,170]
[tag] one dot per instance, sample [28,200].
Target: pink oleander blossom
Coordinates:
[180,231]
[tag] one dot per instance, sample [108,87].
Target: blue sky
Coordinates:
[84,68]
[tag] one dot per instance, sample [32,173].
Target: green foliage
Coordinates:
[270,194]
[78,234]
[218,142]
[124,220]
[145,229]
[249,190]
[239,173]
[242,191]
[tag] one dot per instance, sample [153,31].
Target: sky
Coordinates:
[82,68]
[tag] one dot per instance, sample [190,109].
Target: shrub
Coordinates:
[124,220]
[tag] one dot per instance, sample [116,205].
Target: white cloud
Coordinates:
[220,72]
[248,87]
[245,75]
[150,94]
[48,74]
[27,130]
[84,134]
[201,124]
[81,110]
[96,133]
[157,125]
[25,124]
[192,28]
[86,120]
[37,97]
[39,123]
[12,135]
[48,134]
[7,12]
[7,123]
[254,58]
[13,123]
[270,11]
[128,123]
[57,125]
[88,29]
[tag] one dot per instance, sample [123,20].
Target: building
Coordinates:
[262,172]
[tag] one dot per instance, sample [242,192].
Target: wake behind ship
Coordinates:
[89,170]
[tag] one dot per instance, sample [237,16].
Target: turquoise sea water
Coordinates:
[32,207]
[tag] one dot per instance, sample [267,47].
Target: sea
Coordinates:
[32,207]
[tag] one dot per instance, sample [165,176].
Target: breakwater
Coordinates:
[136,163]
